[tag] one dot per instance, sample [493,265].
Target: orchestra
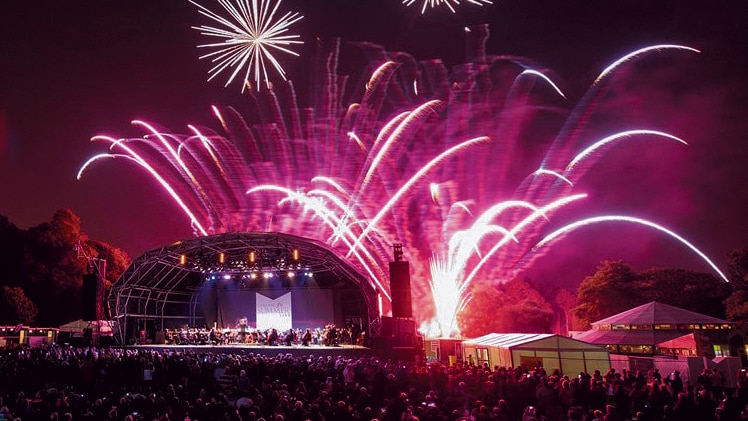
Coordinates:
[241,333]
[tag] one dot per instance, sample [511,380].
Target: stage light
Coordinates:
[226,276]
[291,274]
[295,255]
[268,275]
[221,257]
[182,259]
[253,275]
[252,257]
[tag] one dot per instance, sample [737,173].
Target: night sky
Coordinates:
[73,69]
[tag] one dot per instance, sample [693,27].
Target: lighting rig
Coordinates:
[250,266]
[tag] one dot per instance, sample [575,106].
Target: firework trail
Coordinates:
[410,153]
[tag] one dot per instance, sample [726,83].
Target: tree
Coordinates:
[479,316]
[615,288]
[610,290]
[511,307]
[48,262]
[54,269]
[11,252]
[736,305]
[15,307]
[524,309]
[117,260]
[737,266]
[697,291]
[566,301]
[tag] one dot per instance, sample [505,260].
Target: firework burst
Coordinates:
[249,36]
[414,154]
[451,4]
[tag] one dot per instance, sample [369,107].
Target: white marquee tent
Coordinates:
[552,352]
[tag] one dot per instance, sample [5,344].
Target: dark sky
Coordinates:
[73,69]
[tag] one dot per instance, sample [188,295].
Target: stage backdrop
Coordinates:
[224,306]
[274,313]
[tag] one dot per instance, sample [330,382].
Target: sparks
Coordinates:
[434,170]
[622,218]
[249,38]
[451,4]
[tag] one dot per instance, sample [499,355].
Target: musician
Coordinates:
[307,338]
[168,336]
[273,337]
[215,336]
[289,337]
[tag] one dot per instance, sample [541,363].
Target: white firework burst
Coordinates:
[451,4]
[250,35]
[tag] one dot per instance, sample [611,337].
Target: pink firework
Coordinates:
[413,153]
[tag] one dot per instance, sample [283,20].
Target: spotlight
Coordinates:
[295,255]
[226,276]
[268,275]
[182,259]
[252,257]
[221,257]
[291,274]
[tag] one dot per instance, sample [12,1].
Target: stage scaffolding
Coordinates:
[161,287]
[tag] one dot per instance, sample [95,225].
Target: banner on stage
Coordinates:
[274,313]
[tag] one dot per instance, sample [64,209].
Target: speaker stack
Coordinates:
[93,297]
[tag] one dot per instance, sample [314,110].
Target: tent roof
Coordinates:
[658,313]
[627,337]
[681,342]
[507,340]
[525,340]
[104,326]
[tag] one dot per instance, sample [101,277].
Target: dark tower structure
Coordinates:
[93,291]
[402,306]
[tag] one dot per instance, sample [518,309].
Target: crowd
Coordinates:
[55,383]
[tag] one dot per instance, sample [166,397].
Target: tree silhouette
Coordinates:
[610,290]
[615,288]
[47,262]
[15,307]
[736,305]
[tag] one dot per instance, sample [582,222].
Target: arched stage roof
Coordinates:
[164,282]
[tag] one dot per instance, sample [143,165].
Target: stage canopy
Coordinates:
[213,280]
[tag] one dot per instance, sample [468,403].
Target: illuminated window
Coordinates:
[664,326]
[620,327]
[482,354]
[721,350]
